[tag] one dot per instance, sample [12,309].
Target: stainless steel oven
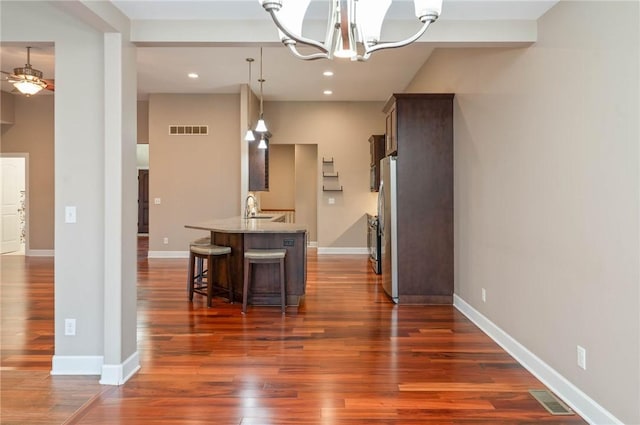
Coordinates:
[373,243]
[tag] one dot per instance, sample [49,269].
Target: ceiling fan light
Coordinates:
[428,8]
[261,127]
[29,87]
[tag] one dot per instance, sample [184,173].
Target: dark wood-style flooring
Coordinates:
[346,356]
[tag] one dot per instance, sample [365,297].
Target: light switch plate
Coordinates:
[156,201]
[69,214]
[332,201]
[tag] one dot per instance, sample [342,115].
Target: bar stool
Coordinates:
[264,256]
[206,240]
[211,253]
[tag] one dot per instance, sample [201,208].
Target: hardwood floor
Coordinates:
[346,356]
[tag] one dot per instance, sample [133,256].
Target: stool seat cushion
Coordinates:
[265,254]
[210,249]
[202,241]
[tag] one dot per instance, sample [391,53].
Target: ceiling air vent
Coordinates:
[188,130]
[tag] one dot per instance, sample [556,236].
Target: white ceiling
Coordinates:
[163,65]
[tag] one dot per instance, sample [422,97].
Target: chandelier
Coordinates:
[353,29]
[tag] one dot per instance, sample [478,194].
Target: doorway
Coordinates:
[13,196]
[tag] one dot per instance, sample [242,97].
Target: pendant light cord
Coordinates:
[261,81]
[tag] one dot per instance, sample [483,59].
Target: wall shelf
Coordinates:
[328,172]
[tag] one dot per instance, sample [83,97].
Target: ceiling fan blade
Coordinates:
[50,84]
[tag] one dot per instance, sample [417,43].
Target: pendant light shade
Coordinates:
[263,143]
[261,127]
[249,137]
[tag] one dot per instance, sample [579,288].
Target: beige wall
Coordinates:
[143,121]
[281,193]
[307,189]
[546,192]
[196,177]
[341,130]
[6,108]
[293,175]
[32,132]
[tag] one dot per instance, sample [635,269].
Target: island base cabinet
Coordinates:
[265,278]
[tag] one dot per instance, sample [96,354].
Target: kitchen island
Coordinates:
[263,231]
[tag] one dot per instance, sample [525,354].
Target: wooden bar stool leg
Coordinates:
[210,277]
[245,287]
[283,288]
[228,272]
[192,261]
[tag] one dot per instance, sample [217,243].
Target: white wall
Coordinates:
[547,192]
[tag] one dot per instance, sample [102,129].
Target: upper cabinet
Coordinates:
[258,166]
[377,152]
[391,141]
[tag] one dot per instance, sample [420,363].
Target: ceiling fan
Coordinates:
[28,80]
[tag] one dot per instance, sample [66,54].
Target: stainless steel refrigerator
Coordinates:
[388,225]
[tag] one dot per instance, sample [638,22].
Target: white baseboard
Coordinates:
[118,374]
[76,365]
[39,253]
[168,254]
[580,402]
[312,244]
[343,250]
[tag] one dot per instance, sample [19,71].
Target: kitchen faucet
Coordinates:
[250,209]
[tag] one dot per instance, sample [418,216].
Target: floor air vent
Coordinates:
[554,405]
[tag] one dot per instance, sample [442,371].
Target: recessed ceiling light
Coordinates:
[193,75]
[328,92]
[328,73]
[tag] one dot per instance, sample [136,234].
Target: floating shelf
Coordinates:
[325,174]
[324,189]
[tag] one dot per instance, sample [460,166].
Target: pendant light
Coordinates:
[261,127]
[263,142]
[249,137]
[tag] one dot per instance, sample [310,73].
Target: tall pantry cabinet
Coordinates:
[419,130]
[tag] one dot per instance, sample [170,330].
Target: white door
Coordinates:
[11,183]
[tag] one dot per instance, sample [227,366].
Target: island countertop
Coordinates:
[265,231]
[262,223]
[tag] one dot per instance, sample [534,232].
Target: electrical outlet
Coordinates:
[157,201]
[332,201]
[582,358]
[70,327]
[484,295]
[165,241]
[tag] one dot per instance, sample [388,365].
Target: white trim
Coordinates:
[168,254]
[76,365]
[39,252]
[342,250]
[312,244]
[580,402]
[118,374]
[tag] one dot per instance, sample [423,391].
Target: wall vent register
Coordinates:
[188,130]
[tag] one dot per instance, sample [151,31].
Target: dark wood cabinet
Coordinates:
[258,166]
[377,152]
[391,142]
[421,134]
